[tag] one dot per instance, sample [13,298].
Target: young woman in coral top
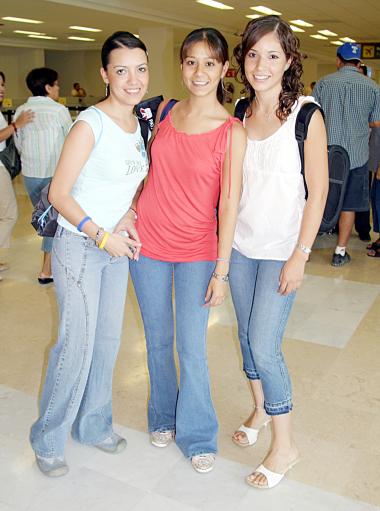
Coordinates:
[186,218]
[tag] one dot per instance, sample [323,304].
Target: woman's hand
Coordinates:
[24,118]
[127,225]
[216,292]
[118,245]
[292,273]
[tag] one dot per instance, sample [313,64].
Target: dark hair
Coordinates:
[351,62]
[120,40]
[2,76]
[292,86]
[364,69]
[218,47]
[75,83]
[38,78]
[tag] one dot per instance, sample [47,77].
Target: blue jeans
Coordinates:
[375,200]
[262,314]
[187,410]
[91,288]
[34,186]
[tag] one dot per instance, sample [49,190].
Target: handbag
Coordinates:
[10,158]
[44,216]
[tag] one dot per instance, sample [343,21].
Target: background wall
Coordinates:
[15,64]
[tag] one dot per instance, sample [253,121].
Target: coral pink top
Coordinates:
[177,208]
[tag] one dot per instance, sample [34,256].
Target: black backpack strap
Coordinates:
[240,108]
[144,128]
[169,105]
[301,129]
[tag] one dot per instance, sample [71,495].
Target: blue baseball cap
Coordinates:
[349,51]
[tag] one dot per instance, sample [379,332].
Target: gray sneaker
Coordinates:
[203,463]
[113,444]
[161,438]
[339,260]
[52,467]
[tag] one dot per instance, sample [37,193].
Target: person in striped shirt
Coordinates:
[40,143]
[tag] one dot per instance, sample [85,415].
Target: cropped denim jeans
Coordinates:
[262,314]
[188,410]
[91,288]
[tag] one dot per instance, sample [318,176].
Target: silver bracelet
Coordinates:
[220,276]
[304,248]
[222,259]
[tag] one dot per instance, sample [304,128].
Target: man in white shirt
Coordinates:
[41,141]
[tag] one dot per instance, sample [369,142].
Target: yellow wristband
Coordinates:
[104,240]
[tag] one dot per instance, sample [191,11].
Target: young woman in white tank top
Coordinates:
[275,230]
[102,164]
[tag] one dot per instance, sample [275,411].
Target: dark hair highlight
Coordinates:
[2,76]
[292,87]
[120,40]
[38,78]
[218,47]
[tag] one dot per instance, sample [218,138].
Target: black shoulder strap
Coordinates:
[301,129]
[169,105]
[240,108]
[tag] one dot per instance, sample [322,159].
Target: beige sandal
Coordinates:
[250,433]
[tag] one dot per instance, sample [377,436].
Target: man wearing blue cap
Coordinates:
[351,103]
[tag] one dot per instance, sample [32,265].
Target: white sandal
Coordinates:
[273,478]
[250,433]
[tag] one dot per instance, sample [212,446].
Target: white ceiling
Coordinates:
[358,20]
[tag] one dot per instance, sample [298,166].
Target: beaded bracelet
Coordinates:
[98,236]
[220,276]
[82,222]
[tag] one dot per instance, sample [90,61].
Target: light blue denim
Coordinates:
[33,186]
[91,288]
[188,409]
[262,314]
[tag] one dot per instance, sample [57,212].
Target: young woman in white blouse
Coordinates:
[275,230]
[102,164]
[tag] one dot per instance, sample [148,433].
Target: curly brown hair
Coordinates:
[292,87]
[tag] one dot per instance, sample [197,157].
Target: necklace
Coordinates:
[267,115]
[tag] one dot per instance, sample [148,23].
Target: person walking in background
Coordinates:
[374,167]
[102,164]
[77,91]
[8,204]
[196,167]
[275,230]
[40,143]
[351,104]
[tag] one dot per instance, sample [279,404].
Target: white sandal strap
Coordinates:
[250,433]
[273,478]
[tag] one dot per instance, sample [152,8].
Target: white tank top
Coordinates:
[109,179]
[273,197]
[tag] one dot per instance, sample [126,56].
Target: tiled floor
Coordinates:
[333,352]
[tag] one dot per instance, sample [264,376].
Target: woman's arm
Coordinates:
[317,180]
[75,152]
[227,213]
[24,118]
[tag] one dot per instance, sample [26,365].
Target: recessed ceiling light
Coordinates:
[21,20]
[347,40]
[216,5]
[253,16]
[327,32]
[319,36]
[28,32]
[85,29]
[42,37]
[296,29]
[75,38]
[137,35]
[337,43]
[265,10]
[301,23]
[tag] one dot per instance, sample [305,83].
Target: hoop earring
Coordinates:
[107,89]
